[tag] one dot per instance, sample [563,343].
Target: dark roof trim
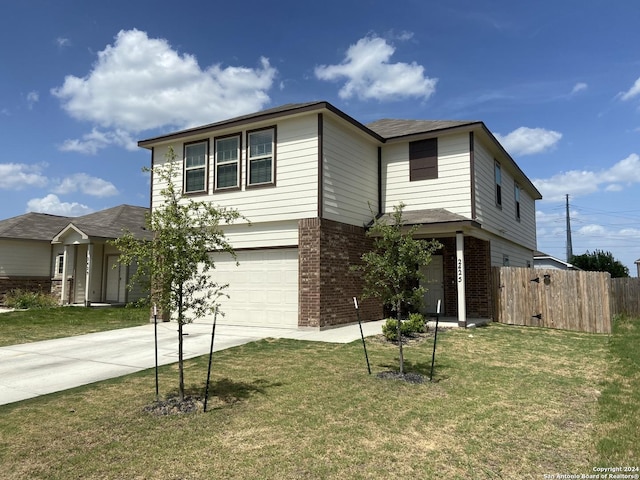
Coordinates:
[265,115]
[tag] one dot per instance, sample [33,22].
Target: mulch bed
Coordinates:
[173,406]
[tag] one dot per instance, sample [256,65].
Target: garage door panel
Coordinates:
[263,289]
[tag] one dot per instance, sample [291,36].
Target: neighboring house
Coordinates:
[543,260]
[637,262]
[39,251]
[310,179]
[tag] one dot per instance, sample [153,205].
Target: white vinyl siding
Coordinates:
[451,190]
[502,221]
[295,194]
[25,258]
[518,256]
[350,181]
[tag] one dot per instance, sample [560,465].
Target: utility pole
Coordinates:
[569,245]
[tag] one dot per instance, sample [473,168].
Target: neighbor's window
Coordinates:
[516,194]
[498,184]
[261,157]
[505,260]
[423,159]
[227,159]
[195,166]
[59,265]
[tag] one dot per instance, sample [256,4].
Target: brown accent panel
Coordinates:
[380,199]
[327,286]
[423,159]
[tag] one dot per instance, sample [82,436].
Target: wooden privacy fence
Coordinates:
[625,296]
[569,300]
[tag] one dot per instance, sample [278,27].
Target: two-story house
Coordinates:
[310,178]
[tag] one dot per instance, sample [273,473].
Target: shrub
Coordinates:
[22,299]
[414,324]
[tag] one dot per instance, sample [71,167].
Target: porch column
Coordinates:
[65,271]
[87,280]
[462,303]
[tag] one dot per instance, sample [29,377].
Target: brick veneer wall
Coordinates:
[31,284]
[477,269]
[327,249]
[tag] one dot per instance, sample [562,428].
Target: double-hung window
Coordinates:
[516,194]
[227,159]
[59,266]
[498,174]
[195,166]
[261,157]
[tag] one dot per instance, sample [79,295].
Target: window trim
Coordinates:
[238,163]
[204,191]
[418,164]
[58,267]
[517,194]
[498,183]
[274,143]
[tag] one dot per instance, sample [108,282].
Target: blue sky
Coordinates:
[558,82]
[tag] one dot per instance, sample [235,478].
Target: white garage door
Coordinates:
[263,289]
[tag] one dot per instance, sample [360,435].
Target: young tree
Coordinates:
[600,261]
[177,263]
[391,271]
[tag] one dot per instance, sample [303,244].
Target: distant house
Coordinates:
[310,178]
[637,262]
[69,256]
[543,260]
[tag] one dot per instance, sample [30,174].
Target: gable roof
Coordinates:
[33,226]
[110,223]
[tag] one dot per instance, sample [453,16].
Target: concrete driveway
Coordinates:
[32,369]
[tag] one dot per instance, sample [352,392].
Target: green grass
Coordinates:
[47,323]
[508,402]
[619,412]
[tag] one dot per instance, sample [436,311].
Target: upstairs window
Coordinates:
[195,167]
[498,174]
[227,160]
[516,194]
[261,157]
[423,159]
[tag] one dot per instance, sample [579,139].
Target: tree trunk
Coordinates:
[180,362]
[398,316]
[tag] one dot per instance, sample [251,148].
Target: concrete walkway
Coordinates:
[32,369]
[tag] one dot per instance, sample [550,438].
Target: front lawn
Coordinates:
[46,323]
[508,402]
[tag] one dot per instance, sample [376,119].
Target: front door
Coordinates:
[434,284]
[114,279]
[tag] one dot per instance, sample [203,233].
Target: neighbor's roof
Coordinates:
[33,226]
[112,222]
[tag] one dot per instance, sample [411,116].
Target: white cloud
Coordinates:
[579,87]
[632,92]
[583,182]
[528,141]
[32,99]
[141,83]
[369,74]
[52,204]
[86,184]
[63,42]
[91,143]
[17,176]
